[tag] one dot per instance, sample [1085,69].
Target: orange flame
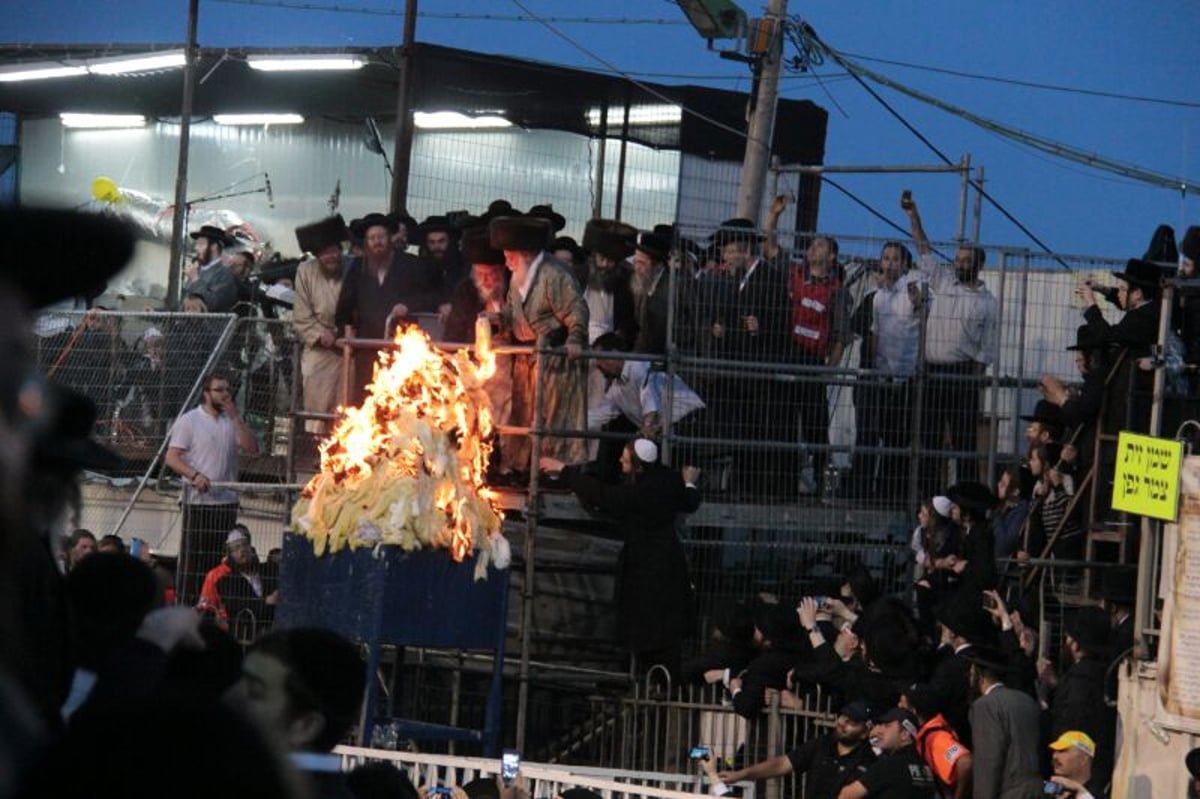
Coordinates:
[407,466]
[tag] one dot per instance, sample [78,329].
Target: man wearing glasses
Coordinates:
[204,451]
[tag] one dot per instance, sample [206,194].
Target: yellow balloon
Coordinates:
[105,190]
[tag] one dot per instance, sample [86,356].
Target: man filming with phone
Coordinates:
[830,762]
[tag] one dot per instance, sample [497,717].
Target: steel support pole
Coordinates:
[179,217]
[402,154]
[621,161]
[601,157]
[762,121]
[964,167]
[531,521]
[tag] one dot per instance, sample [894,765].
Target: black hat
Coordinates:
[1190,246]
[359,227]
[525,233]
[212,233]
[987,657]
[1086,339]
[966,618]
[735,230]
[402,218]
[902,715]
[1047,413]
[1162,248]
[498,208]
[1119,586]
[568,243]
[1193,763]
[1090,628]
[67,439]
[1140,273]
[316,236]
[436,224]
[668,232]
[547,212]
[924,699]
[609,238]
[856,711]
[477,248]
[972,495]
[654,245]
[84,249]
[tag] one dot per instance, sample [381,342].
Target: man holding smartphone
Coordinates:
[204,450]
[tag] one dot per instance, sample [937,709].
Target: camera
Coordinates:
[510,765]
[700,753]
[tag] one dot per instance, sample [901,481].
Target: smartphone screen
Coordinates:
[699,753]
[510,764]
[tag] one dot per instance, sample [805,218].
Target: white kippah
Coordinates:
[152,332]
[235,536]
[942,506]
[646,450]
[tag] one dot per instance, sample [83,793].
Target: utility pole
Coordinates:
[762,120]
[179,218]
[402,156]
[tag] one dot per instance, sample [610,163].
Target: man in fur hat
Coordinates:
[607,292]
[318,284]
[544,302]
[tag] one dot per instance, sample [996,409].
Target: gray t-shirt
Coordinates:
[210,447]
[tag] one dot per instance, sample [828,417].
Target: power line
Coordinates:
[1055,87]
[854,69]
[293,5]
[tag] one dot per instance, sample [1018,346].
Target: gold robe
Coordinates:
[554,308]
[321,367]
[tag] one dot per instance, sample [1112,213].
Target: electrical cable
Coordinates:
[807,30]
[1028,84]
[294,5]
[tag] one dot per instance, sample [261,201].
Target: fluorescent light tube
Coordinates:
[258,119]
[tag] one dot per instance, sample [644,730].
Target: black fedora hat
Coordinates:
[402,218]
[654,245]
[1140,273]
[1090,628]
[964,616]
[570,245]
[1119,586]
[84,249]
[212,233]
[477,248]
[547,212]
[436,224]
[1047,413]
[66,441]
[1086,339]
[973,495]
[316,236]
[524,233]
[497,209]
[987,657]
[738,229]
[1162,249]
[1190,246]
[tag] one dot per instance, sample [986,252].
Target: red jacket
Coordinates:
[812,310]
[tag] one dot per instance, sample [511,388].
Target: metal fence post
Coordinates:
[531,520]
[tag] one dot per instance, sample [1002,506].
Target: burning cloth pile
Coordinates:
[407,466]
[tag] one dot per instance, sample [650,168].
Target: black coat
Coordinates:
[764,296]
[1137,329]
[654,598]
[951,681]
[1079,704]
[720,655]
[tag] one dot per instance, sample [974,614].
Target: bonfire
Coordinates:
[407,466]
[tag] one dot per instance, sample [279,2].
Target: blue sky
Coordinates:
[1144,49]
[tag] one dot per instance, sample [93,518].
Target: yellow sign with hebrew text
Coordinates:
[1147,476]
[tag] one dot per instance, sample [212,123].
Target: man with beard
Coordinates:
[607,293]
[437,240]
[651,293]
[829,762]
[1136,332]
[204,450]
[208,277]
[484,292]
[238,591]
[962,337]
[318,284]
[899,773]
[544,303]
[380,290]
[1004,727]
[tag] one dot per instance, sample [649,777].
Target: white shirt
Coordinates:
[897,328]
[638,391]
[210,446]
[963,320]
[530,274]
[600,312]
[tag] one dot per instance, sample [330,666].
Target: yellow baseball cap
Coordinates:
[1074,738]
